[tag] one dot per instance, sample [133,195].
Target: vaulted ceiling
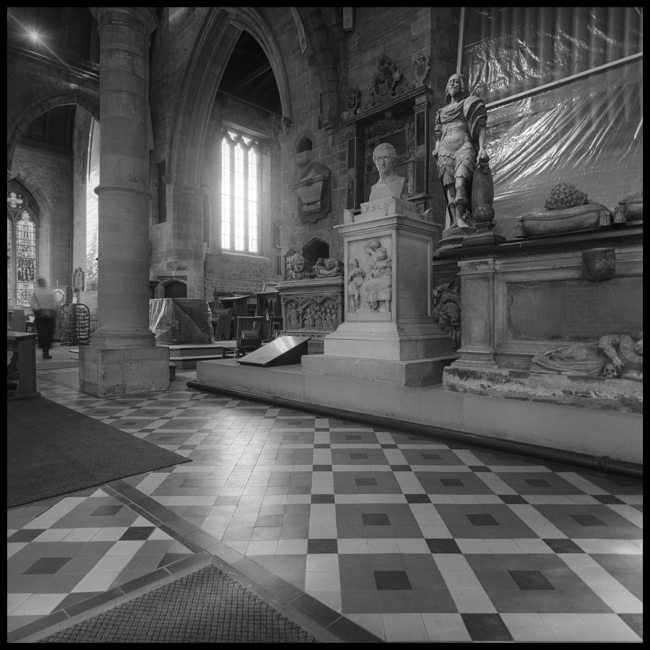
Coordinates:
[69,33]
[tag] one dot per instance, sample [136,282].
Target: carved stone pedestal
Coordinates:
[311,307]
[388,334]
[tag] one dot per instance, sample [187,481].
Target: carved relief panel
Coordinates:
[369,278]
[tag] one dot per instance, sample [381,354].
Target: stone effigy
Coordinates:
[328,267]
[612,356]
[296,267]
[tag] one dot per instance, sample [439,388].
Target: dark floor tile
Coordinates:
[322,546]
[375,519]
[392,580]
[25,535]
[537,482]
[529,580]
[269,520]
[563,546]
[365,481]
[321,445]
[479,468]
[607,499]
[512,498]
[482,519]
[635,621]
[106,511]
[486,627]
[47,565]
[401,468]
[451,482]
[390,446]
[587,520]
[417,498]
[443,546]
[322,498]
[137,533]
[322,468]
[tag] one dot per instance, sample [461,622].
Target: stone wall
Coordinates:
[183,247]
[48,176]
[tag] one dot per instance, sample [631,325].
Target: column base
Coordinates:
[105,372]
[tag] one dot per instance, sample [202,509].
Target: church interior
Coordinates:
[348,345]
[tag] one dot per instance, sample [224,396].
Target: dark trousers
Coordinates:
[45,327]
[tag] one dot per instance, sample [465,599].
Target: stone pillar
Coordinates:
[478,331]
[122,357]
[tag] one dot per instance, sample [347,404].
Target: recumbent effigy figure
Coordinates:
[612,356]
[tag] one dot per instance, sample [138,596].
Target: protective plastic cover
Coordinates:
[176,321]
[587,132]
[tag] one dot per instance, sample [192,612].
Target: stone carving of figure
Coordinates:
[460,144]
[389,184]
[297,267]
[624,355]
[446,310]
[326,267]
[377,286]
[355,280]
[614,355]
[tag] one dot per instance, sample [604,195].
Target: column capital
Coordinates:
[143,18]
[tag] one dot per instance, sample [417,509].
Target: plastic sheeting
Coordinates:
[586,131]
[512,49]
[176,321]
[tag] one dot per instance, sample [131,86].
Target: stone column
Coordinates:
[122,357]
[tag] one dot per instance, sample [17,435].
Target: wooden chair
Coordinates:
[222,324]
[249,333]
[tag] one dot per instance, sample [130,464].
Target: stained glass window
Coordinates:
[21,251]
[240,192]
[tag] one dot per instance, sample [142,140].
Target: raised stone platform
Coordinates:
[583,430]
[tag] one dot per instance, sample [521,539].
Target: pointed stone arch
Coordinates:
[214,45]
[19,123]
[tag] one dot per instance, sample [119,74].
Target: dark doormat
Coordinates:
[53,450]
[207,606]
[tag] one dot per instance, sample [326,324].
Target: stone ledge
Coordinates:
[420,372]
[574,390]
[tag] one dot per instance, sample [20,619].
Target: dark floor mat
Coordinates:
[54,450]
[204,607]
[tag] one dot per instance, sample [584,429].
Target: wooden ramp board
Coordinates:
[284,350]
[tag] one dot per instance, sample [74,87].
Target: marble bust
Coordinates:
[389,184]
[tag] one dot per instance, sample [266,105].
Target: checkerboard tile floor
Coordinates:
[411,538]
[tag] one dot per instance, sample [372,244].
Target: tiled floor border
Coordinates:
[318,619]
